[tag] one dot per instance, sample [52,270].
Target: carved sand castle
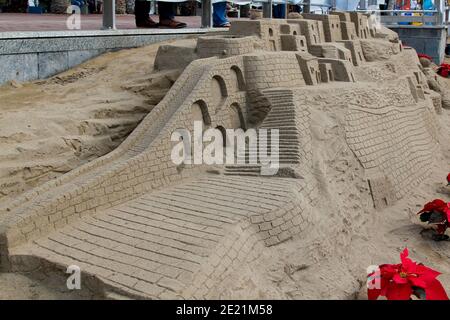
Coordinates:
[139,225]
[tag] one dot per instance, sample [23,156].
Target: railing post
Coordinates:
[109,14]
[362,5]
[440,7]
[267,9]
[307,7]
[153,7]
[207,14]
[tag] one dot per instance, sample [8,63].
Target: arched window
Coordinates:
[224,134]
[199,112]
[238,78]
[218,90]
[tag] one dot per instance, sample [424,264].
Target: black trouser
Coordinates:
[142,8]
[166,10]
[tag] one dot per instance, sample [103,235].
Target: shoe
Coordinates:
[223,25]
[147,23]
[172,23]
[141,14]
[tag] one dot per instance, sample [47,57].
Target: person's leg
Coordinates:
[142,16]
[166,12]
[139,11]
[279,11]
[282,12]
[220,14]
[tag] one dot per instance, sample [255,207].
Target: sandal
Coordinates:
[173,24]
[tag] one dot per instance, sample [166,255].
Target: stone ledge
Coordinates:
[26,56]
[37,42]
[96,33]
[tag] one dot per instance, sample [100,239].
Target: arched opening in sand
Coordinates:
[218,90]
[236,117]
[199,112]
[238,78]
[223,131]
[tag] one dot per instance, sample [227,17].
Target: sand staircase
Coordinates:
[242,170]
[282,116]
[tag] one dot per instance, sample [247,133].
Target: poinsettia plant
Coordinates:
[422,55]
[448,179]
[444,70]
[404,280]
[437,213]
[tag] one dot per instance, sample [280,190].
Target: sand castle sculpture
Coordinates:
[139,225]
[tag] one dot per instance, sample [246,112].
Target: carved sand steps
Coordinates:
[156,245]
[242,170]
[282,117]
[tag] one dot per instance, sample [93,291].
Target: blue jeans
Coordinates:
[279,11]
[219,14]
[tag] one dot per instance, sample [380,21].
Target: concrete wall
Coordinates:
[430,40]
[26,56]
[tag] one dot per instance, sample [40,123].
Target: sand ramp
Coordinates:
[156,245]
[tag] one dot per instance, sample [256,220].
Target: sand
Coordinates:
[329,260]
[50,127]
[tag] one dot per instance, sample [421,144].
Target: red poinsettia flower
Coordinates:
[436,212]
[400,281]
[436,204]
[448,179]
[444,70]
[421,55]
